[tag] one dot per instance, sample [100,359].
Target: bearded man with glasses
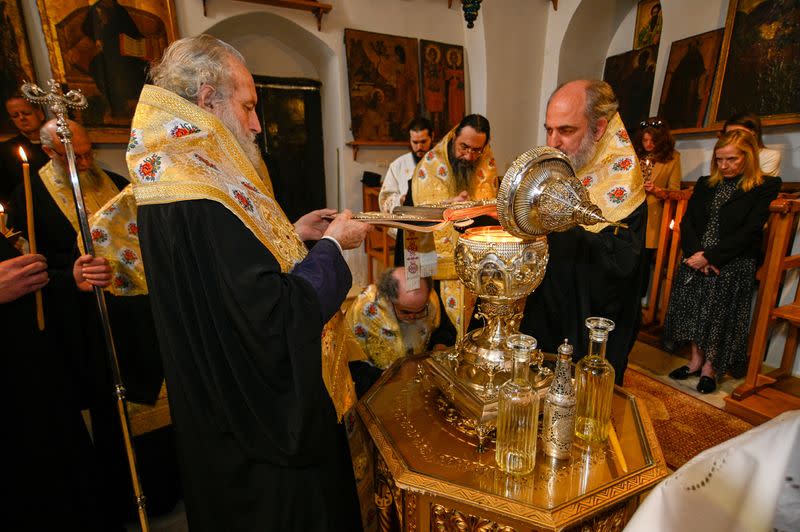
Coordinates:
[460,167]
[389,321]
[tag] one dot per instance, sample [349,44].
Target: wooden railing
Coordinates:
[755,399]
[668,255]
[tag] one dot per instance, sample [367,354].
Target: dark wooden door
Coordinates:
[290,110]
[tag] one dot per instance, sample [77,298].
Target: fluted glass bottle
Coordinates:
[517,412]
[594,385]
[558,425]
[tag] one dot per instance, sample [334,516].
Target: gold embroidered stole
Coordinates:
[179,152]
[96,192]
[433,182]
[613,177]
[372,323]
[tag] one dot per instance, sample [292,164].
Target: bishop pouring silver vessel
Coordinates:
[502,265]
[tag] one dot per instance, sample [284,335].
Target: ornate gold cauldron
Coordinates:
[502,266]
[501,270]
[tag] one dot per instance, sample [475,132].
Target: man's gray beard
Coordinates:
[86,177]
[245,137]
[585,152]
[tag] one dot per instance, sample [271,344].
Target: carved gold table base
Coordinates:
[429,474]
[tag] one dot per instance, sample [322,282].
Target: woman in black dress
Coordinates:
[721,235]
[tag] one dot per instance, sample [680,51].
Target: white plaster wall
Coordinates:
[577,37]
[514,64]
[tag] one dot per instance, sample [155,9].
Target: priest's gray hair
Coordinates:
[389,287]
[601,102]
[46,132]
[191,62]
[46,138]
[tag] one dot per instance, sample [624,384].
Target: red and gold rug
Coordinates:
[685,426]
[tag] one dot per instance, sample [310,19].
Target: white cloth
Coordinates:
[770,161]
[395,183]
[748,484]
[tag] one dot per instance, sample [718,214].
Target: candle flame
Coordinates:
[22,155]
[672,224]
[2,210]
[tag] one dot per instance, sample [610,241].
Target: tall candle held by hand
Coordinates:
[26,181]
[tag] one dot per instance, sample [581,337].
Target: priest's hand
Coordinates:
[22,275]
[313,225]
[91,271]
[462,196]
[349,233]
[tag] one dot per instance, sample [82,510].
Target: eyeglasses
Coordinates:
[651,123]
[470,149]
[410,315]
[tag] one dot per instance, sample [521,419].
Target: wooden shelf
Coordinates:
[716,128]
[356,144]
[696,130]
[317,8]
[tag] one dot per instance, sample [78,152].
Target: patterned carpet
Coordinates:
[685,426]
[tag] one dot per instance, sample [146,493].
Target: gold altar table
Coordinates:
[429,475]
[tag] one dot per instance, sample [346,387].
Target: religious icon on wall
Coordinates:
[15,59]
[631,76]
[649,21]
[759,69]
[103,48]
[443,98]
[383,78]
[687,83]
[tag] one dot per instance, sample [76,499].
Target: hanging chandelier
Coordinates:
[471,8]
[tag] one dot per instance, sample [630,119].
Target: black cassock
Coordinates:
[258,440]
[73,323]
[591,274]
[50,476]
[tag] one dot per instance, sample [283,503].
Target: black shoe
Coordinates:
[706,384]
[683,373]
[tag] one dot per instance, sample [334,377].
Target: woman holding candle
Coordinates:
[661,169]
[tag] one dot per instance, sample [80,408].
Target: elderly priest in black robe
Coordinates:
[593,270]
[241,305]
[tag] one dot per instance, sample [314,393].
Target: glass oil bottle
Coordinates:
[517,412]
[594,385]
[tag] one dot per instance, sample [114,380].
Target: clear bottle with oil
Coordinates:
[517,412]
[558,425]
[594,385]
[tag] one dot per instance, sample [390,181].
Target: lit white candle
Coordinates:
[26,181]
[2,219]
